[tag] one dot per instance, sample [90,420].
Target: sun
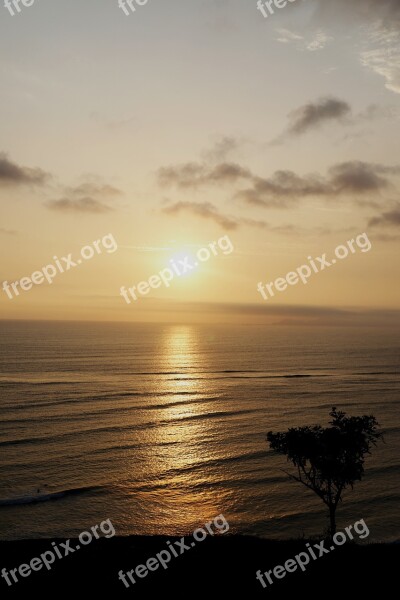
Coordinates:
[184,263]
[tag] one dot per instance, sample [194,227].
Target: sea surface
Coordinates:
[162,427]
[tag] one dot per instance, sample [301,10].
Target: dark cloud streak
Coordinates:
[87,197]
[314,114]
[80,205]
[206,210]
[192,175]
[284,187]
[390,218]
[12,174]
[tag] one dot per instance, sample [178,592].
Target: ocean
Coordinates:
[161,428]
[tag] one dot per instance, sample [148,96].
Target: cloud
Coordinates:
[209,211]
[314,114]
[277,314]
[206,210]
[386,12]
[94,189]
[358,177]
[14,175]
[348,178]
[374,111]
[253,223]
[198,174]
[284,187]
[85,205]
[376,21]
[281,189]
[222,148]
[319,42]
[390,218]
[379,23]
[287,36]
[88,197]
[385,60]
[384,237]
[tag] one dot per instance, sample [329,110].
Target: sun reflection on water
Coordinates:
[182,441]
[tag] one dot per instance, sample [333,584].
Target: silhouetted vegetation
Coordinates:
[329,459]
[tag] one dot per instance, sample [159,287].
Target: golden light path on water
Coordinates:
[181,442]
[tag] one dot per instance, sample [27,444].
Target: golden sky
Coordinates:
[189,121]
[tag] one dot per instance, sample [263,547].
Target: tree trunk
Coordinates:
[332,519]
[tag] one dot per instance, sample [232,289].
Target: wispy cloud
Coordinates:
[352,178]
[390,218]
[222,149]
[206,210]
[198,174]
[280,314]
[88,197]
[85,205]
[379,23]
[314,115]
[282,188]
[319,41]
[384,59]
[12,174]
[94,189]
[286,36]
[374,111]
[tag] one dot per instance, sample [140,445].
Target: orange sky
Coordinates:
[187,122]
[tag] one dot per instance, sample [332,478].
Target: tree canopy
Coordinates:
[329,459]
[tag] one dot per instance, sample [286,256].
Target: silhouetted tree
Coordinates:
[330,459]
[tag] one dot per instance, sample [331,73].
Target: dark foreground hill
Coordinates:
[217,566]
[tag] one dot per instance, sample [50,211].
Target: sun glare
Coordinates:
[184,263]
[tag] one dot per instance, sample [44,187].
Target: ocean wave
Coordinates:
[45,497]
[77,417]
[34,382]
[379,373]
[130,427]
[96,398]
